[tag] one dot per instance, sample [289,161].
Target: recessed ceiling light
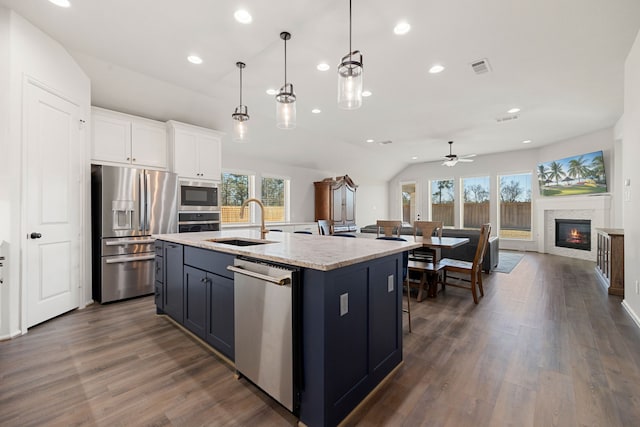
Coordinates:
[194,59]
[414,158]
[366,93]
[436,69]
[401,28]
[323,66]
[526,141]
[271,91]
[242,16]
[316,111]
[61,3]
[513,110]
[369,140]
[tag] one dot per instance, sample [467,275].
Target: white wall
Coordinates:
[501,164]
[5,215]
[631,172]
[31,53]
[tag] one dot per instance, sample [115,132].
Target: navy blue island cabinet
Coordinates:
[350,330]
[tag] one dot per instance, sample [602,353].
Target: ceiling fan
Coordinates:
[451,159]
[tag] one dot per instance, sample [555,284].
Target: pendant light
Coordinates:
[240,115]
[286,99]
[350,77]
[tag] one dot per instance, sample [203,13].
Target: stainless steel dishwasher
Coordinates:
[267,328]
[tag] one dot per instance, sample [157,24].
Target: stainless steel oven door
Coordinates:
[199,196]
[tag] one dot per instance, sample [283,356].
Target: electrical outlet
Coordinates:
[344,304]
[390,283]
[637,287]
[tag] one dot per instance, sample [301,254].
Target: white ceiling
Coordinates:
[561,62]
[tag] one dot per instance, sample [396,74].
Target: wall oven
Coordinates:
[189,222]
[199,196]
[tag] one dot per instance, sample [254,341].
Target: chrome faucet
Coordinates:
[263,229]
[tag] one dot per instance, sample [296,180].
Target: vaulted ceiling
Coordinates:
[560,62]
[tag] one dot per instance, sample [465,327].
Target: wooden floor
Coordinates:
[546,346]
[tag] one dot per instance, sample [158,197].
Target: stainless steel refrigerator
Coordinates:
[128,206]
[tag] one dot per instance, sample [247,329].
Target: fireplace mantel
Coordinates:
[599,212]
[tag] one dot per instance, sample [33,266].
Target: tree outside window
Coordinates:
[515,206]
[476,202]
[274,198]
[235,190]
[442,201]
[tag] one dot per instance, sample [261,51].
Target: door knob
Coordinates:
[35,235]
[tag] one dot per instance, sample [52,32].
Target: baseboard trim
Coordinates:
[632,313]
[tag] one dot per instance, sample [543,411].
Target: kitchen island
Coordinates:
[347,327]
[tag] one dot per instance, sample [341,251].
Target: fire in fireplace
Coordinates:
[573,233]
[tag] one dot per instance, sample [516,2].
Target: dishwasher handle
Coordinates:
[281,281]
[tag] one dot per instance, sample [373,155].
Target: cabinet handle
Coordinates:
[128,159]
[134,159]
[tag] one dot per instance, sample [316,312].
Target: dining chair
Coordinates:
[426,229]
[389,227]
[405,272]
[473,269]
[324,227]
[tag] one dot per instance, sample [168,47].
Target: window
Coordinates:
[275,197]
[442,201]
[476,202]
[236,188]
[408,202]
[515,206]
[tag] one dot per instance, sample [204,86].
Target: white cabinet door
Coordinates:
[185,159]
[110,138]
[128,140]
[196,151]
[210,164]
[148,144]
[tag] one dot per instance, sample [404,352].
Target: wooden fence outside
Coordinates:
[513,216]
[231,214]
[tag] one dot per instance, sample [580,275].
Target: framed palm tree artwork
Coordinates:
[582,174]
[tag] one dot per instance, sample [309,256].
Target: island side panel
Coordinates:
[346,354]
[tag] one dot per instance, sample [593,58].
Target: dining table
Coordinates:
[433,242]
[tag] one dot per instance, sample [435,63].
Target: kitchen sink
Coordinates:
[239,242]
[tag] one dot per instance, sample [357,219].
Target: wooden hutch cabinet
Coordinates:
[610,259]
[335,200]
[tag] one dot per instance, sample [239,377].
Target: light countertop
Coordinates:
[303,250]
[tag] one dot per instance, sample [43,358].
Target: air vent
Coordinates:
[506,118]
[384,142]
[481,66]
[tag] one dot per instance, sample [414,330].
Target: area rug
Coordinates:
[508,261]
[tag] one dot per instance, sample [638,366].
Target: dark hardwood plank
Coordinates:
[545,346]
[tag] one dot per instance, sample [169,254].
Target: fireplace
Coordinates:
[573,233]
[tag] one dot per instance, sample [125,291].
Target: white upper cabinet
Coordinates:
[196,151]
[126,139]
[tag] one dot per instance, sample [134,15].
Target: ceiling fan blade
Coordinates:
[465,160]
[467,156]
[450,162]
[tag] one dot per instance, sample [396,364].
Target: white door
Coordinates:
[52,204]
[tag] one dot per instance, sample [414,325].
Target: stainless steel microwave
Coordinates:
[199,196]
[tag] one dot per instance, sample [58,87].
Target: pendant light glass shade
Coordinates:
[350,77]
[240,115]
[286,98]
[350,82]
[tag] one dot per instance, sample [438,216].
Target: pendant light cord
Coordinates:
[285,61]
[350,50]
[240,86]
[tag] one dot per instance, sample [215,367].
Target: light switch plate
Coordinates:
[344,304]
[390,283]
